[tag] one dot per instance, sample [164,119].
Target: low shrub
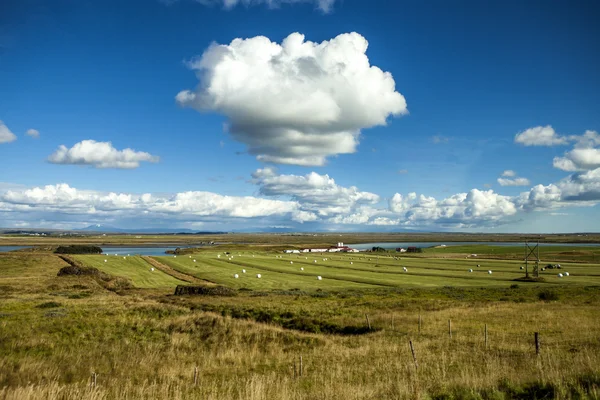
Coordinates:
[49,304]
[548,295]
[78,249]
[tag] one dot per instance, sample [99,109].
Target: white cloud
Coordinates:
[509,178]
[6,136]
[514,182]
[475,208]
[439,139]
[584,156]
[194,205]
[578,189]
[402,171]
[34,133]
[100,155]
[324,5]
[588,140]
[564,163]
[316,193]
[578,159]
[540,136]
[295,103]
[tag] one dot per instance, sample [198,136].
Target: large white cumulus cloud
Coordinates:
[297,102]
[315,193]
[475,208]
[100,155]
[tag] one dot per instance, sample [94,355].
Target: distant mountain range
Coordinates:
[99,228]
[111,229]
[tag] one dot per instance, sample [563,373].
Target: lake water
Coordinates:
[11,248]
[366,246]
[160,251]
[142,251]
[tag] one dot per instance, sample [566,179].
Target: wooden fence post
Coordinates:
[301,366]
[537,343]
[485,335]
[368,322]
[195,376]
[93,380]
[412,350]
[450,329]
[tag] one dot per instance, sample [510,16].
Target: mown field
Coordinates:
[133,268]
[283,271]
[352,329]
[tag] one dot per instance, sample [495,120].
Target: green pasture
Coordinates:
[547,253]
[133,268]
[222,271]
[341,270]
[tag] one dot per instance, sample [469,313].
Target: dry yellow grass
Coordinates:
[145,345]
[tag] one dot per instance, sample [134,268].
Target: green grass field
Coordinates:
[133,268]
[590,254]
[283,271]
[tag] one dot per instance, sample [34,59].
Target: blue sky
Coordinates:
[323,135]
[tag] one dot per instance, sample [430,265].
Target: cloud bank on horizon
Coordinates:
[310,198]
[297,102]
